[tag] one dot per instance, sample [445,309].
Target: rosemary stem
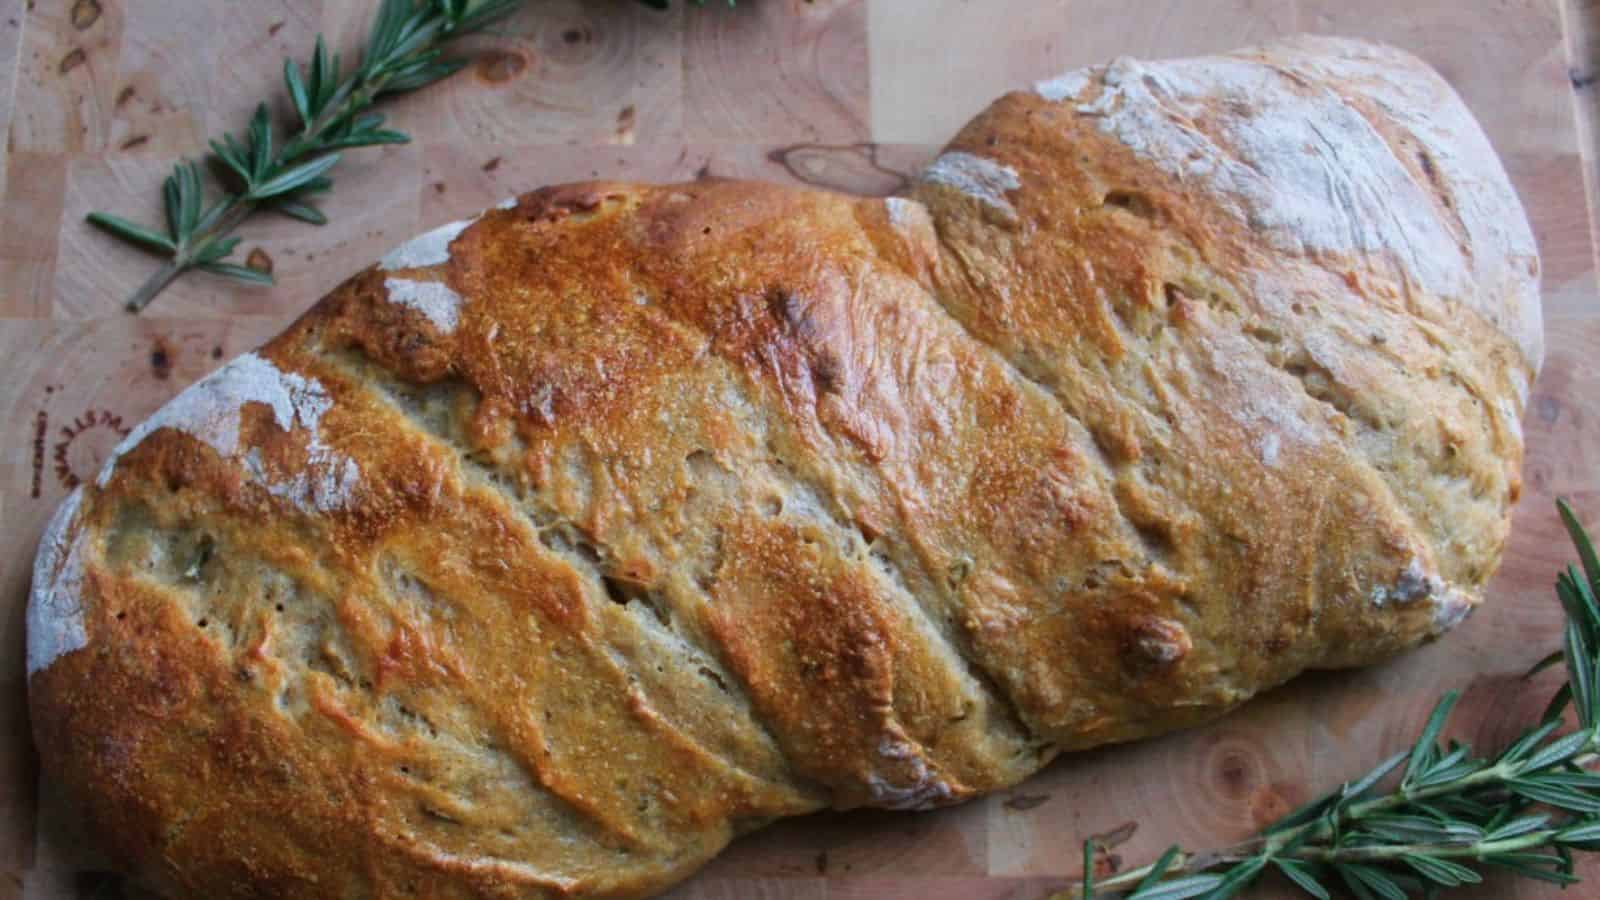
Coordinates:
[1475,850]
[239,209]
[169,270]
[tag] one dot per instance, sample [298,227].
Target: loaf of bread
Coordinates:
[568,543]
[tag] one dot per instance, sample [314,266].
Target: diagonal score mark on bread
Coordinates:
[570,542]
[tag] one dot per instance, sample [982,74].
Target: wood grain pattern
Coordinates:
[99,96]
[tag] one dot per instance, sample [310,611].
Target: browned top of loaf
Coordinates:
[543,560]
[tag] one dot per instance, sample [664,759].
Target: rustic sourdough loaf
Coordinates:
[567,543]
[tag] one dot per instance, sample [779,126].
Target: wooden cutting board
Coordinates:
[100,96]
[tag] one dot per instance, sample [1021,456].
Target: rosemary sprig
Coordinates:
[1524,810]
[403,52]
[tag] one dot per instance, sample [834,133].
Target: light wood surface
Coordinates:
[100,96]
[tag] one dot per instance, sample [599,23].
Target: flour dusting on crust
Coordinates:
[55,605]
[434,299]
[1271,445]
[900,210]
[425,250]
[1290,148]
[1063,87]
[1451,609]
[210,411]
[983,179]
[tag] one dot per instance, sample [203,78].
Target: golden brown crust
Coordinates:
[566,544]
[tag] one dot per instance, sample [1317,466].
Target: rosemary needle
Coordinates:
[1451,815]
[403,52]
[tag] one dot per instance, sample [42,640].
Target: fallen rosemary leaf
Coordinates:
[403,53]
[1524,811]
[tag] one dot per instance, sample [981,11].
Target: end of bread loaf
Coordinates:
[1399,170]
[1289,267]
[55,603]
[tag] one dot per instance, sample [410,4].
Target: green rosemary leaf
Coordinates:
[216,251]
[415,36]
[1516,828]
[1408,882]
[1557,751]
[1414,829]
[1580,540]
[238,273]
[297,91]
[327,77]
[485,13]
[1500,817]
[1580,672]
[367,122]
[1581,780]
[1453,773]
[191,194]
[131,232]
[317,79]
[1537,790]
[410,62]
[1354,883]
[1453,765]
[316,186]
[1594,706]
[1300,873]
[1441,871]
[242,153]
[386,26]
[1088,868]
[1237,879]
[1366,782]
[337,82]
[1458,752]
[212,214]
[1159,869]
[1531,865]
[294,178]
[260,137]
[302,211]
[1427,743]
[1543,664]
[1558,703]
[1466,807]
[1375,879]
[173,206]
[1584,834]
[1179,888]
[367,139]
[1525,744]
[1587,616]
[230,159]
[412,78]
